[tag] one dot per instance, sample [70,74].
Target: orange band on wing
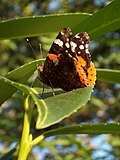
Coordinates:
[89,78]
[91,74]
[81,61]
[81,73]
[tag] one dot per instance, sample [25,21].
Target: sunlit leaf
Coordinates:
[38,25]
[28,91]
[105,20]
[20,75]
[109,128]
[63,105]
[50,110]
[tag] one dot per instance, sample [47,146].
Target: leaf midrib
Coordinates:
[102,26]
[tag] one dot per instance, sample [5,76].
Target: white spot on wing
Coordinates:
[73,46]
[81,47]
[86,45]
[58,42]
[77,36]
[67,45]
[67,39]
[87,37]
[87,51]
[62,33]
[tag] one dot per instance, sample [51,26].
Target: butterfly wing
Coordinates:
[68,64]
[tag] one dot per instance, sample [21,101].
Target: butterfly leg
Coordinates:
[53,92]
[43,89]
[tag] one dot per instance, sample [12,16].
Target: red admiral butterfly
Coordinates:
[68,64]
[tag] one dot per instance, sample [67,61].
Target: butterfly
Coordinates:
[68,64]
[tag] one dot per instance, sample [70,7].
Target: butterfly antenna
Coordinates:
[41,56]
[41,53]
[31,48]
[30,45]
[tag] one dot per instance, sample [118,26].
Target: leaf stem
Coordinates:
[25,146]
[37,140]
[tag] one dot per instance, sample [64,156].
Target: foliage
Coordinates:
[103,106]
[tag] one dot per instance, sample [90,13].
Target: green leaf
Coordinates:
[27,91]
[103,21]
[20,75]
[104,128]
[63,105]
[53,109]
[38,25]
[108,75]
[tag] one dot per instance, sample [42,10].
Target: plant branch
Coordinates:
[25,147]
